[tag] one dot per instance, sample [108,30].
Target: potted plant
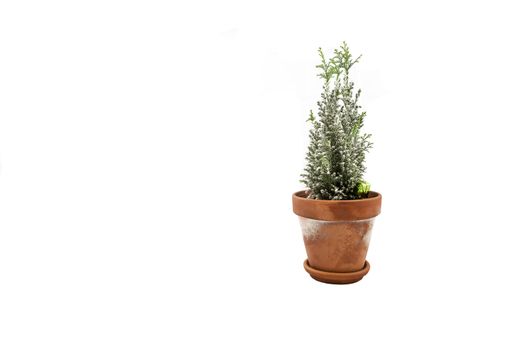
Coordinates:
[337,210]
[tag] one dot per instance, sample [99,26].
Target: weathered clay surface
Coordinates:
[338,246]
[336,233]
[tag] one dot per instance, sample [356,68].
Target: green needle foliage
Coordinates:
[335,161]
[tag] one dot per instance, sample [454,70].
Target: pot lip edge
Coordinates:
[296,195]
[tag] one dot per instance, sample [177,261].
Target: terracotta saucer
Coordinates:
[336,277]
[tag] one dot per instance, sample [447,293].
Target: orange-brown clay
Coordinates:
[337,246]
[337,233]
[336,277]
[337,210]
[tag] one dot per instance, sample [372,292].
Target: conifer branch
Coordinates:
[335,160]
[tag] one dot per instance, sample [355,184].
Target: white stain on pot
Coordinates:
[368,234]
[311,228]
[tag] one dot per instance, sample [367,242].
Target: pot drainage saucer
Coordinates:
[336,277]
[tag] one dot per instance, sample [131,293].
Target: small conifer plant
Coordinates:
[335,161]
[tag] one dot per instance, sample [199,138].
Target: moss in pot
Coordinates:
[337,211]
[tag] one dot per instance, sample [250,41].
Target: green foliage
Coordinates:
[336,153]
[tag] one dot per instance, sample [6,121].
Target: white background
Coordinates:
[149,150]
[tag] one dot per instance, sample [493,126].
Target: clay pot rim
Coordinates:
[301,195]
[336,210]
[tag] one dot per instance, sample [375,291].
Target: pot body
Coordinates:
[336,233]
[337,246]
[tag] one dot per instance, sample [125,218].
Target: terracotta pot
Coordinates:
[336,235]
